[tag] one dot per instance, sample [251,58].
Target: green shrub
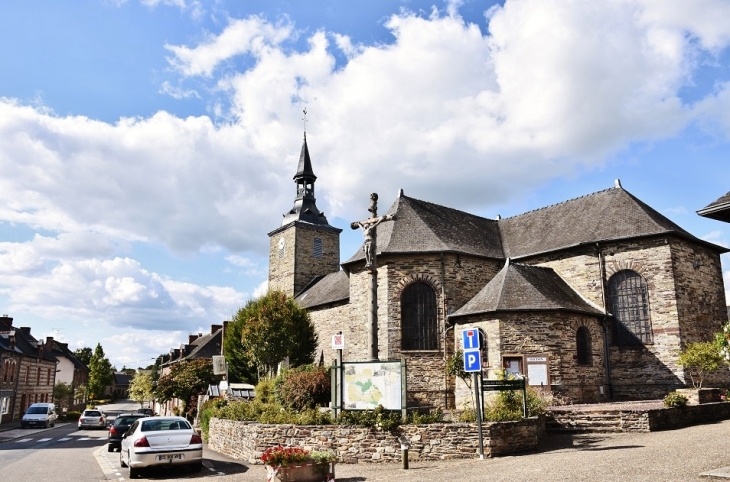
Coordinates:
[70,416]
[265,392]
[208,410]
[437,416]
[256,411]
[307,386]
[467,415]
[675,400]
[700,359]
[380,418]
[508,404]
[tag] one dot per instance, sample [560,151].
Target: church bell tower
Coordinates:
[305,246]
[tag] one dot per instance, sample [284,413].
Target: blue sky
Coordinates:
[147,146]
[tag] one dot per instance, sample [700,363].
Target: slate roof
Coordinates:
[61,350]
[25,344]
[519,287]
[720,209]
[422,226]
[419,227]
[122,379]
[304,169]
[326,289]
[607,215]
[305,205]
[206,346]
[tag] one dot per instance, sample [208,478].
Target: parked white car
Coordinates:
[92,418]
[39,415]
[161,441]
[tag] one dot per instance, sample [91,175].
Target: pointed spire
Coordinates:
[304,170]
[305,207]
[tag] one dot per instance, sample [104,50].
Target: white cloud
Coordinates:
[251,35]
[444,111]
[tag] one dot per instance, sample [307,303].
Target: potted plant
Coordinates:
[295,464]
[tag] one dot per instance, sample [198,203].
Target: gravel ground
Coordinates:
[675,455]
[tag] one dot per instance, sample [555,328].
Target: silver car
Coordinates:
[92,418]
[161,441]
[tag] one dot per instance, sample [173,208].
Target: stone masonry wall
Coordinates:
[281,269]
[647,371]
[701,303]
[297,266]
[551,334]
[440,441]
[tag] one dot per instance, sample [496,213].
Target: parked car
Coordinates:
[39,415]
[92,418]
[161,441]
[147,411]
[119,427]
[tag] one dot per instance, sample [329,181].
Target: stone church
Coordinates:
[592,298]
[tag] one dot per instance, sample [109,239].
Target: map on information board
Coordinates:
[367,385]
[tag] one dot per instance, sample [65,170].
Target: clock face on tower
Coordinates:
[281,242]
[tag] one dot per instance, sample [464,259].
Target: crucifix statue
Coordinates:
[370,246]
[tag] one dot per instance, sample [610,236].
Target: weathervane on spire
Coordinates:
[305,121]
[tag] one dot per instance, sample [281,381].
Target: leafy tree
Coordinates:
[272,328]
[155,368]
[100,373]
[306,386]
[455,368]
[240,369]
[63,394]
[141,387]
[700,359]
[84,355]
[186,379]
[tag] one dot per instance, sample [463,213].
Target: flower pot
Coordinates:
[306,472]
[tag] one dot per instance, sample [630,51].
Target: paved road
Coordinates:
[60,453]
[65,453]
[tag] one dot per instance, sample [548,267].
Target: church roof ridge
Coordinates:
[542,208]
[524,287]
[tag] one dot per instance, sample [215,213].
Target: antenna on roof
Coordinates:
[617,184]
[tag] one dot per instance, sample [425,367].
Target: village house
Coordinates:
[28,371]
[69,370]
[592,298]
[198,346]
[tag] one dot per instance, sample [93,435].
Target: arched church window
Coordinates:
[583,346]
[418,317]
[628,301]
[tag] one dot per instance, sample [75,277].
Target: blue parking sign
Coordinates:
[473,361]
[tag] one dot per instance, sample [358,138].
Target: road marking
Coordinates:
[83,438]
[44,439]
[24,440]
[64,439]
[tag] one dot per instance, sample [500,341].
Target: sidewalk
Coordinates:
[9,426]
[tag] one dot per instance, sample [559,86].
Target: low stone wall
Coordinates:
[648,420]
[438,441]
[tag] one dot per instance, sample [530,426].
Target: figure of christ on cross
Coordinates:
[368,229]
[370,247]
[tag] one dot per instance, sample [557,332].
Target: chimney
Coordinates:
[6,322]
[192,338]
[215,328]
[25,329]
[223,335]
[49,342]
